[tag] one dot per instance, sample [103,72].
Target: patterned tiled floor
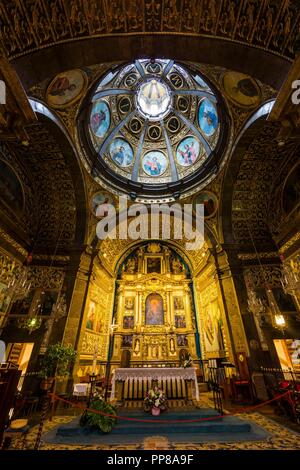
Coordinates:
[281,438]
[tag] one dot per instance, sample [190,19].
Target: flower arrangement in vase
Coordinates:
[155,401]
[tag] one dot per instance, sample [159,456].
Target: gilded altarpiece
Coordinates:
[154,311]
[95,331]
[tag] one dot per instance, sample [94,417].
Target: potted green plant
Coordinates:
[55,364]
[101,422]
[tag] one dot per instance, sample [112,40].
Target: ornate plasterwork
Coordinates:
[257,174]
[7,238]
[112,251]
[28,26]
[8,268]
[55,205]
[251,256]
[268,275]
[27,217]
[46,277]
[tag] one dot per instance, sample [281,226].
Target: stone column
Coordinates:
[73,330]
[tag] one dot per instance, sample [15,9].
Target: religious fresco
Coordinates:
[154,163]
[208,117]
[241,89]
[210,202]
[154,310]
[180,321]
[188,151]
[128,322]
[66,88]
[127,341]
[121,152]
[100,118]
[101,199]
[291,191]
[10,188]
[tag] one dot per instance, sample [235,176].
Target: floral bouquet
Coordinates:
[155,400]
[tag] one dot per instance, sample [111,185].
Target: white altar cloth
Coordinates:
[123,374]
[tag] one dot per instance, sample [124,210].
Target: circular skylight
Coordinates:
[153,99]
[152,122]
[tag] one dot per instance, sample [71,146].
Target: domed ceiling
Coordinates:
[153,128]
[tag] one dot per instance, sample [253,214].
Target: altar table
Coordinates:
[166,377]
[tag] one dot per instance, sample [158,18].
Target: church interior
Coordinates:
[158,103]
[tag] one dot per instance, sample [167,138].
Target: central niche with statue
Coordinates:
[154,314]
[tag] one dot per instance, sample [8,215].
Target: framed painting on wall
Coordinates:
[178,303]
[182,340]
[127,341]
[91,317]
[128,322]
[129,303]
[154,265]
[180,321]
[154,314]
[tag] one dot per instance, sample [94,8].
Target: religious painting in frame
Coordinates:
[66,88]
[208,117]
[154,265]
[91,316]
[154,314]
[128,322]
[178,303]
[102,199]
[188,151]
[209,201]
[127,341]
[154,163]
[180,321]
[129,303]
[100,118]
[241,89]
[182,340]
[121,152]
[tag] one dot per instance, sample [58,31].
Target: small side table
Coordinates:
[12,434]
